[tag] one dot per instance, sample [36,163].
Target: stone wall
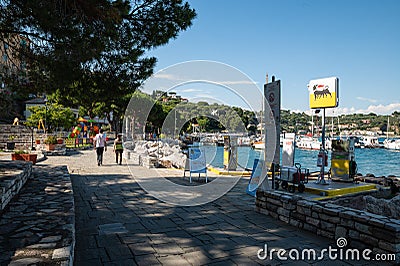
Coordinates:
[13,176]
[361,229]
[21,135]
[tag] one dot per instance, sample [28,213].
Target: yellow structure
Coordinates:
[340,168]
[329,100]
[343,165]
[40,124]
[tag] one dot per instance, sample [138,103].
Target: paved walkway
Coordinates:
[37,226]
[118,223]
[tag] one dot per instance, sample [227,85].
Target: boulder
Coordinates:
[167,150]
[389,208]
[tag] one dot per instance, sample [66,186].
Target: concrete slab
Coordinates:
[220,171]
[338,188]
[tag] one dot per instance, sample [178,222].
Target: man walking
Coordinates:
[100,146]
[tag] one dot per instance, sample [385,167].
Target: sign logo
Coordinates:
[324,93]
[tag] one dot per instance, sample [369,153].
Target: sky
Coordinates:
[297,41]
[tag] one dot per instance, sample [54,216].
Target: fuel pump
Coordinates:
[230,153]
[343,164]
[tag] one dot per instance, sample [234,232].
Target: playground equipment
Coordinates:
[77,130]
[41,124]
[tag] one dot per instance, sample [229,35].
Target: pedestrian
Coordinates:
[100,146]
[118,149]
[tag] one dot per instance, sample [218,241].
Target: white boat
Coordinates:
[392,144]
[368,142]
[308,143]
[260,145]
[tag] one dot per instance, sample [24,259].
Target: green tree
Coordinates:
[55,117]
[92,47]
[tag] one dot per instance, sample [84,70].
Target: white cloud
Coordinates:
[191,90]
[376,109]
[237,82]
[167,76]
[367,99]
[381,109]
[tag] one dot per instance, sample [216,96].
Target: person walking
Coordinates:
[100,146]
[118,149]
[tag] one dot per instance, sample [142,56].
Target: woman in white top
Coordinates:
[100,145]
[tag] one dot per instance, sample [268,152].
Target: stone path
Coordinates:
[118,223]
[37,226]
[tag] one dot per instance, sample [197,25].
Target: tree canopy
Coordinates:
[69,38]
[90,51]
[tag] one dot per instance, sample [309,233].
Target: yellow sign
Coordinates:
[324,93]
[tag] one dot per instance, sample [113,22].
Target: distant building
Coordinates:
[31,103]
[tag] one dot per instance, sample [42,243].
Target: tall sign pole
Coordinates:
[272,118]
[324,159]
[323,93]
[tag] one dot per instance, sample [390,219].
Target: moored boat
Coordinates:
[371,142]
[258,145]
[308,143]
[392,144]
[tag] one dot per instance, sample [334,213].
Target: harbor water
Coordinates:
[379,162]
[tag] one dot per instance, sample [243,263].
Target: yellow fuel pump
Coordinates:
[343,164]
[230,153]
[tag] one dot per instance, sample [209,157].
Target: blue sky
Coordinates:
[357,41]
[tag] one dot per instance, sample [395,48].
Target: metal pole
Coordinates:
[174,124]
[312,123]
[323,148]
[387,129]
[45,117]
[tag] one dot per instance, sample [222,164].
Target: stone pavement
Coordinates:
[37,226]
[118,223]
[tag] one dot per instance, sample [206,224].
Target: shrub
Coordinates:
[51,140]
[21,152]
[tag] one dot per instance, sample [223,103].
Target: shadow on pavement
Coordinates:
[118,222]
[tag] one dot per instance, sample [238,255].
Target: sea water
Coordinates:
[379,162]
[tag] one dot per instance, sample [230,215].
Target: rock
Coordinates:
[130,145]
[167,150]
[389,208]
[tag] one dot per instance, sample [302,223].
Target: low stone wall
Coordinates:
[13,176]
[361,229]
[22,137]
[140,159]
